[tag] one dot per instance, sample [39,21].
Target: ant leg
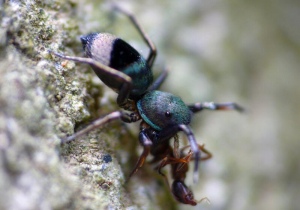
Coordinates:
[172,130]
[205,151]
[185,159]
[204,199]
[146,143]
[182,193]
[123,79]
[153,51]
[215,106]
[182,165]
[102,121]
[162,164]
[171,160]
[165,161]
[201,147]
[159,80]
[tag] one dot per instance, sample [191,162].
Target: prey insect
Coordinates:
[179,162]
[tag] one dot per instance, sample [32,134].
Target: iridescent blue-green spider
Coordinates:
[123,69]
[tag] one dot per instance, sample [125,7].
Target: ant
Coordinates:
[124,70]
[179,167]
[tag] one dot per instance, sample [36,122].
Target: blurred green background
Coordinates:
[242,51]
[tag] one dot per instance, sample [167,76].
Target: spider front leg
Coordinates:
[125,117]
[146,142]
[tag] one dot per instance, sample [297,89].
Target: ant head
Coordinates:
[182,193]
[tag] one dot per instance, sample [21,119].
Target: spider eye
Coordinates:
[168,114]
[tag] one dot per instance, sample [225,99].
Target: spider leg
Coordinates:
[146,143]
[137,25]
[215,106]
[102,121]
